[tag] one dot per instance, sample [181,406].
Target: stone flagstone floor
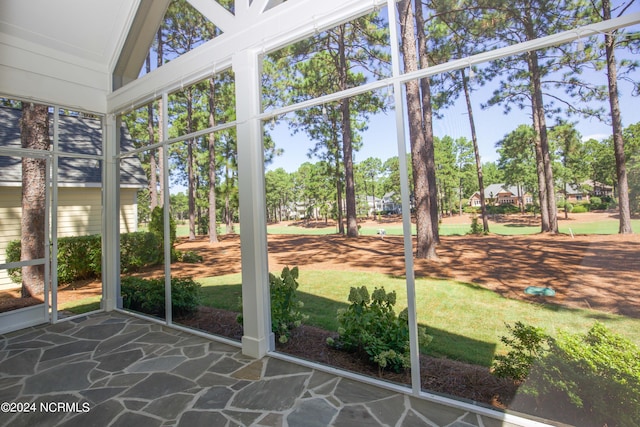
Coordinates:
[110,369]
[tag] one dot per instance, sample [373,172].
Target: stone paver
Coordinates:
[110,369]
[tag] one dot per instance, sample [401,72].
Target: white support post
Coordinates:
[406,208]
[258,338]
[110,215]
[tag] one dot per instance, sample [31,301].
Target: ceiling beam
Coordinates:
[140,36]
[214,12]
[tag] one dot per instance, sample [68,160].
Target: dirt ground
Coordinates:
[601,272]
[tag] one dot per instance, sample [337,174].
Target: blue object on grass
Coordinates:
[537,290]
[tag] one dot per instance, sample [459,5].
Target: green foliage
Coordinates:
[148,295]
[476,227]
[13,255]
[138,250]
[156,226]
[595,203]
[190,257]
[285,306]
[80,257]
[527,345]
[369,325]
[579,209]
[567,206]
[598,371]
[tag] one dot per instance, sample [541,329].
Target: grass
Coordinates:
[466,321]
[607,226]
[81,306]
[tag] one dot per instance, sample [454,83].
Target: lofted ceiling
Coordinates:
[88,31]
[87,54]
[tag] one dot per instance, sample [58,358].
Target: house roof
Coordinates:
[76,135]
[494,189]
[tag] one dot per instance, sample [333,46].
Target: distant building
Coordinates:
[501,194]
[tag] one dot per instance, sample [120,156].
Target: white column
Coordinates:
[258,338]
[110,214]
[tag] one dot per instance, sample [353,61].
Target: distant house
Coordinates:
[598,189]
[386,204]
[501,194]
[80,181]
[574,194]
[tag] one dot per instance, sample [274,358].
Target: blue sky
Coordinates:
[491,126]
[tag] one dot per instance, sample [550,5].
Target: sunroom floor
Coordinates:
[112,369]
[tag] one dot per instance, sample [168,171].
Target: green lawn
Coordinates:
[466,321]
[608,226]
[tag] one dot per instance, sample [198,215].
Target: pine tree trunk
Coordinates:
[347,139]
[34,135]
[213,232]
[616,120]
[476,152]
[427,125]
[426,241]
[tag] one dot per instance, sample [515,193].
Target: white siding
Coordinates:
[79,214]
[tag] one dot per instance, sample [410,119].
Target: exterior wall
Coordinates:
[10,213]
[79,214]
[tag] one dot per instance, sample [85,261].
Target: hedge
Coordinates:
[81,257]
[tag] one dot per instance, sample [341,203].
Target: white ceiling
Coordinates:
[91,31]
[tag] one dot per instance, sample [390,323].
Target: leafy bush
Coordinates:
[579,209]
[285,314]
[568,207]
[13,255]
[191,257]
[527,345]
[156,226]
[369,325]
[506,208]
[476,228]
[597,372]
[80,257]
[148,295]
[595,203]
[471,209]
[139,250]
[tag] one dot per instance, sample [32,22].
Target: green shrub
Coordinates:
[369,325]
[80,257]
[595,203]
[598,372]
[285,306]
[476,228]
[148,295]
[527,344]
[13,255]
[156,226]
[568,207]
[139,249]
[579,209]
[191,257]
[285,314]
